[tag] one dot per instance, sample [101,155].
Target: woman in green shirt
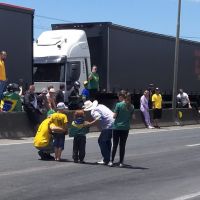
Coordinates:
[123,113]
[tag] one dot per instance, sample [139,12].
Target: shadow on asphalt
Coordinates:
[115,165]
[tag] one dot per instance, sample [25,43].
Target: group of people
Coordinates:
[114,127]
[153,99]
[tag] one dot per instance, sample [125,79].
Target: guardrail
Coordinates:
[17,125]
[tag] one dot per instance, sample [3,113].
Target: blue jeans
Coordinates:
[105,144]
[2,88]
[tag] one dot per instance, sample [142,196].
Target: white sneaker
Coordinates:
[101,162]
[150,127]
[121,165]
[110,164]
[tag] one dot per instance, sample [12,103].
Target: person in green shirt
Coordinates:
[123,113]
[93,83]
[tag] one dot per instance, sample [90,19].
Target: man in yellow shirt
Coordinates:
[157,107]
[3,78]
[43,140]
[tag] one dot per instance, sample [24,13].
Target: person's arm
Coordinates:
[189,105]
[90,77]
[153,101]
[116,111]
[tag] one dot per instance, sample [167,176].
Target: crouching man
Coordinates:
[43,140]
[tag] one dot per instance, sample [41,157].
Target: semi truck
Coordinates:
[16,38]
[126,58]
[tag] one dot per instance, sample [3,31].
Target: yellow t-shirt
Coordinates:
[43,135]
[58,119]
[157,99]
[2,71]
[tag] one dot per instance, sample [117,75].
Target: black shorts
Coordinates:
[157,113]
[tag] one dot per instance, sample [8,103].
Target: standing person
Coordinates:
[93,83]
[104,116]
[51,99]
[3,56]
[85,92]
[60,94]
[157,107]
[123,113]
[31,106]
[75,100]
[43,103]
[183,99]
[79,128]
[144,108]
[58,126]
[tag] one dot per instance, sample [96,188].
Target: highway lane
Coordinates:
[161,165]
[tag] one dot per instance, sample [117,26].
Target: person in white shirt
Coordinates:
[183,100]
[104,116]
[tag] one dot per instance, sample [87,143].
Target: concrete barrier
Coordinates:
[17,125]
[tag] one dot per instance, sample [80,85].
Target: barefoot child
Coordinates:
[58,128]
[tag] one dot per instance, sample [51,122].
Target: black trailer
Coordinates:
[132,59]
[16,38]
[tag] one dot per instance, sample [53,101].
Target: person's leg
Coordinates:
[82,148]
[105,144]
[155,118]
[56,153]
[115,143]
[61,145]
[75,149]
[147,118]
[122,145]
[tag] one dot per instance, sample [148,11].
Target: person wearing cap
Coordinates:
[157,107]
[75,99]
[104,116]
[93,83]
[43,140]
[3,78]
[51,99]
[58,126]
[43,103]
[183,100]
[85,92]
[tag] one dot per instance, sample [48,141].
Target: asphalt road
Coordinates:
[161,165]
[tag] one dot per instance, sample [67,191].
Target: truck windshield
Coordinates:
[50,72]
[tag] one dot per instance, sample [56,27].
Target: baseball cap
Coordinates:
[61,106]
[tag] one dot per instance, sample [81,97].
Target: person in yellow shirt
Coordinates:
[58,126]
[157,107]
[3,78]
[43,140]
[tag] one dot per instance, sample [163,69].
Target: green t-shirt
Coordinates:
[78,129]
[124,116]
[94,82]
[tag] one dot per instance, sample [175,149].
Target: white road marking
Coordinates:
[35,169]
[192,145]
[187,197]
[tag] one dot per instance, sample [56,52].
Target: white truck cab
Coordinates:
[61,56]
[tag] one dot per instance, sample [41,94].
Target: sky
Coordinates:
[158,16]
